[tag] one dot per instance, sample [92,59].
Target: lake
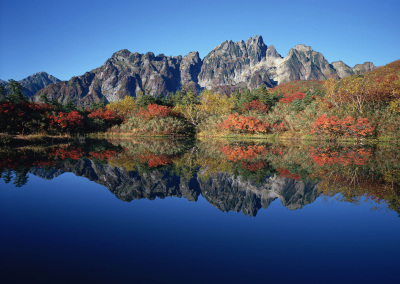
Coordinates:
[188,211]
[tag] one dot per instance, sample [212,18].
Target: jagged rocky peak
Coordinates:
[256,49]
[231,63]
[272,53]
[303,63]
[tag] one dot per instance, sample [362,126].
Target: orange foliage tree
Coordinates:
[333,126]
[255,105]
[289,98]
[154,110]
[241,124]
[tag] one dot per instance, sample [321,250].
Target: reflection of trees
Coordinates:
[16,163]
[232,176]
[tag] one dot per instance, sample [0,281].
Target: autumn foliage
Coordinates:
[154,160]
[69,119]
[255,105]
[345,156]
[237,153]
[242,124]
[349,126]
[154,110]
[289,98]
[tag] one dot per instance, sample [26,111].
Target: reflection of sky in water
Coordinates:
[70,229]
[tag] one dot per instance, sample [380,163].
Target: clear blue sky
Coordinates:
[68,38]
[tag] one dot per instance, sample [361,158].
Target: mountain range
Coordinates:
[223,190]
[248,64]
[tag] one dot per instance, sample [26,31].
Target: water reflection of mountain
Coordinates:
[223,190]
[234,176]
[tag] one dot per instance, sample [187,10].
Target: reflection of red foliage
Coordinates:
[287,174]
[154,160]
[255,105]
[288,98]
[103,155]
[345,157]
[239,123]
[154,110]
[9,163]
[243,153]
[67,153]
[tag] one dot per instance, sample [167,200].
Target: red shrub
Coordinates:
[325,125]
[288,98]
[64,119]
[255,105]
[240,123]
[154,110]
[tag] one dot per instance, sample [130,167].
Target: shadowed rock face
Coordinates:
[222,190]
[127,74]
[231,64]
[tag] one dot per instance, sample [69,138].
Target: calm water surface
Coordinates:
[164,211]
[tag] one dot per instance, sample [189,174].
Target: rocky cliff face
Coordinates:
[224,191]
[303,63]
[231,64]
[35,83]
[127,74]
[236,63]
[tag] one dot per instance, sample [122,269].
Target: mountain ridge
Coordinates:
[35,82]
[248,64]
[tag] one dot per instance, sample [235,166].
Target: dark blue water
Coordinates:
[72,230]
